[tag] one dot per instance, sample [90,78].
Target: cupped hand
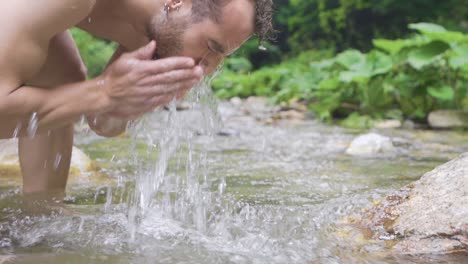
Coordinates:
[135,84]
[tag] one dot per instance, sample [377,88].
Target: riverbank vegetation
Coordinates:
[402,78]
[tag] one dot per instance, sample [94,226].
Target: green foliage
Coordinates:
[427,54]
[344,24]
[94,52]
[403,78]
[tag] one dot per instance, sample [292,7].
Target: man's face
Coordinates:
[208,42]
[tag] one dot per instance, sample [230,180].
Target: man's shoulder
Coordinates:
[27,27]
[45,16]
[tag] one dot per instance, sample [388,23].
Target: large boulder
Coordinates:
[429,216]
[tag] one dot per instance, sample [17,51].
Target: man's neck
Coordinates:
[123,21]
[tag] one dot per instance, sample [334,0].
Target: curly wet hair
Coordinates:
[264,10]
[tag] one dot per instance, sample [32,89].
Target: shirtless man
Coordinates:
[42,75]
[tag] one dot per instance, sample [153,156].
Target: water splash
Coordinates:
[17,131]
[58,159]
[181,190]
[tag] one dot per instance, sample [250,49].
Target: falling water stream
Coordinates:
[177,191]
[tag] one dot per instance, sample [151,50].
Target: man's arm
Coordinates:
[133,85]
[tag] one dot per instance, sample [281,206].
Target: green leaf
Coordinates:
[459,57]
[461,50]
[427,27]
[436,32]
[425,55]
[448,37]
[444,93]
[323,64]
[238,65]
[351,76]
[330,84]
[395,46]
[379,63]
[351,59]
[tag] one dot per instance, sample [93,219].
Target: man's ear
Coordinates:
[171,5]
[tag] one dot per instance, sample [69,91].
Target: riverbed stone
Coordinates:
[429,216]
[388,124]
[446,119]
[290,115]
[369,145]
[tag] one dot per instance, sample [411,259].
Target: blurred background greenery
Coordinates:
[355,60]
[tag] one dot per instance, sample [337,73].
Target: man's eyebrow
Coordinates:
[217,46]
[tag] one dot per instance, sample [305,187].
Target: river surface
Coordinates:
[254,193]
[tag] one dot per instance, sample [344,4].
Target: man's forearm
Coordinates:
[52,107]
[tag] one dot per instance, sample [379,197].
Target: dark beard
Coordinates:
[168,36]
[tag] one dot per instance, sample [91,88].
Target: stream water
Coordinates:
[178,193]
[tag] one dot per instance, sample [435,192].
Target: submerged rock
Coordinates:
[369,145]
[429,216]
[448,119]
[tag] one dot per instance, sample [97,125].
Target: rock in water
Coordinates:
[369,145]
[10,172]
[388,124]
[448,119]
[429,216]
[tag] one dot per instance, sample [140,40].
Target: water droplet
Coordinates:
[33,125]
[132,62]
[89,19]
[82,120]
[80,228]
[108,199]
[101,82]
[17,131]
[58,159]
[222,186]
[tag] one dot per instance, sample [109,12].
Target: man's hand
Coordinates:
[134,84]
